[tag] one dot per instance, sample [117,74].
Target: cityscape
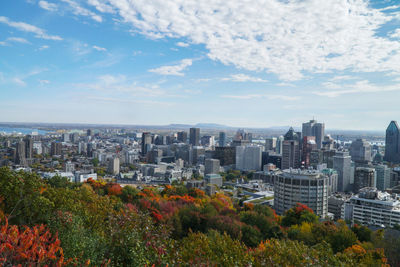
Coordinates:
[199,133]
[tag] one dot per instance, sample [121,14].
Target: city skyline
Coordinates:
[270,64]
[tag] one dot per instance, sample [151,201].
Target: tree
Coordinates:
[298,214]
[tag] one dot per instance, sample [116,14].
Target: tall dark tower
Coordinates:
[194,136]
[392,143]
[146,141]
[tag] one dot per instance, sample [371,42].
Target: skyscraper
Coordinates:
[291,150]
[383,173]
[270,144]
[211,166]
[194,136]
[20,153]
[392,144]
[28,147]
[342,164]
[222,139]
[146,141]
[314,128]
[182,137]
[360,151]
[309,145]
[248,158]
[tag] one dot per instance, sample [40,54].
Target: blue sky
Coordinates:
[238,63]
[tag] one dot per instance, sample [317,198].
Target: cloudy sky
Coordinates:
[256,63]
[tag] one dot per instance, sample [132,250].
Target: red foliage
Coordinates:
[114,190]
[29,247]
[301,207]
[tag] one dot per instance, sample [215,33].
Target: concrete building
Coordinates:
[182,137]
[309,145]
[333,180]
[56,148]
[363,177]
[20,154]
[291,150]
[270,144]
[194,137]
[211,166]
[215,179]
[69,167]
[313,128]
[248,158]
[383,173]
[226,155]
[308,187]
[373,207]
[113,165]
[360,151]
[146,143]
[342,164]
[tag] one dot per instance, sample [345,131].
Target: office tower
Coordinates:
[211,166]
[226,155]
[270,157]
[248,158]
[197,155]
[20,154]
[194,136]
[372,207]
[89,132]
[146,142]
[28,147]
[314,128]
[301,186]
[113,166]
[207,140]
[74,137]
[182,137]
[65,137]
[360,151]
[363,177]
[270,144]
[279,144]
[56,148]
[213,178]
[222,139]
[291,150]
[309,145]
[392,144]
[342,164]
[383,173]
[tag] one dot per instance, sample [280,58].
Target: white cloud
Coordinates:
[360,87]
[395,34]
[42,82]
[22,26]
[174,69]
[14,40]
[81,11]
[19,81]
[259,96]
[342,78]
[98,48]
[43,47]
[182,44]
[243,78]
[48,6]
[287,38]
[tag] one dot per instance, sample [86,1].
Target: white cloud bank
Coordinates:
[174,69]
[287,38]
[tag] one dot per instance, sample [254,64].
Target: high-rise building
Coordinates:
[56,148]
[20,154]
[363,177]
[248,158]
[342,164]
[89,132]
[113,166]
[291,150]
[308,187]
[182,137]
[314,128]
[222,139]
[65,137]
[194,136]
[309,145]
[270,144]
[226,155]
[207,140]
[279,143]
[383,173]
[211,166]
[360,151]
[392,144]
[28,147]
[69,166]
[146,142]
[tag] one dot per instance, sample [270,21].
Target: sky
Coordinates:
[257,63]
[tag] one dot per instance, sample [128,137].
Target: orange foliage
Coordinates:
[114,190]
[301,207]
[30,247]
